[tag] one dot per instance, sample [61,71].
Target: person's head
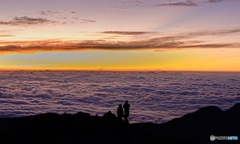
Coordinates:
[119,105]
[126,101]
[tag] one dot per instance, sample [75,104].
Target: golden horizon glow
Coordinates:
[145,60]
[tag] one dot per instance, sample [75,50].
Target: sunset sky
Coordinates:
[185,35]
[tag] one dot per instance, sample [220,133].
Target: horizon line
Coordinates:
[109,70]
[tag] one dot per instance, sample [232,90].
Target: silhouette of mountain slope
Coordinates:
[52,128]
[234,109]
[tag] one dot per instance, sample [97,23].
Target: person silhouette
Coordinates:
[120,112]
[126,107]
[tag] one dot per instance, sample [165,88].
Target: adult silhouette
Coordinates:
[120,112]
[126,107]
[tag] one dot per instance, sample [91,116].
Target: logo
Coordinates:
[213,138]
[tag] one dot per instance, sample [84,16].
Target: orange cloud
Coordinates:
[177,41]
[155,44]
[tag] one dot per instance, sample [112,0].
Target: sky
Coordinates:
[122,35]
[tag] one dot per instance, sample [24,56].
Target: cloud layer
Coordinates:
[154,97]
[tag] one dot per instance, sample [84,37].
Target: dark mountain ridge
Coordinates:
[52,128]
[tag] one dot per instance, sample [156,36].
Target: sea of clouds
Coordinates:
[153,96]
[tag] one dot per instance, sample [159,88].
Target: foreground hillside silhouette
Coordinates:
[192,128]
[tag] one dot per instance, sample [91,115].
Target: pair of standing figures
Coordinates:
[123,111]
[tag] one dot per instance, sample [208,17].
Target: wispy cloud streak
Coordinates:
[188,3]
[24,21]
[185,3]
[5,35]
[125,32]
[87,21]
[212,1]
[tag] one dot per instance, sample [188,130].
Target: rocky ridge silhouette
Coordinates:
[52,128]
